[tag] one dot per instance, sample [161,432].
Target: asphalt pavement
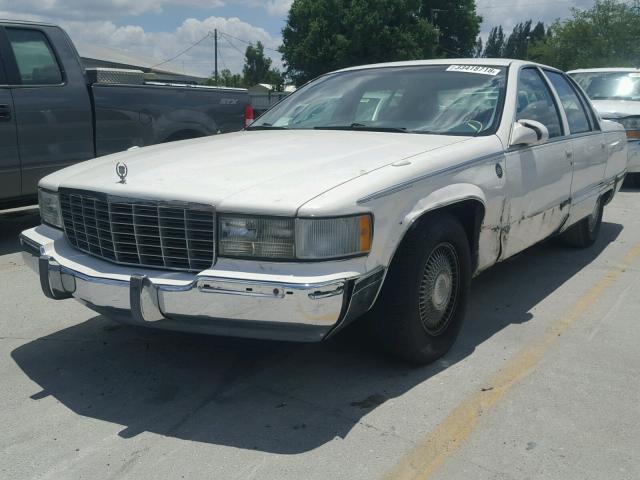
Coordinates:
[543,383]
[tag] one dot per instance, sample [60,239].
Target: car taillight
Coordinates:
[248,115]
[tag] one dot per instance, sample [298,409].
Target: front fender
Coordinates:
[444,197]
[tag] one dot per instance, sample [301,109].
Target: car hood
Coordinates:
[612,109]
[261,171]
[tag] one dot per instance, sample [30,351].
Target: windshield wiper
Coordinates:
[265,126]
[363,127]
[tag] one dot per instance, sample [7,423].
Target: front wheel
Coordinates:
[424,300]
[585,233]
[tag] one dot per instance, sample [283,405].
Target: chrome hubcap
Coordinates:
[439,288]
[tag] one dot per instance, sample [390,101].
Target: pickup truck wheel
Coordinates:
[585,233]
[424,300]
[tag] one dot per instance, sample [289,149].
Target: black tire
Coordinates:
[632,180]
[424,300]
[585,233]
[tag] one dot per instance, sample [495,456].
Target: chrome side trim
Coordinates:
[409,183]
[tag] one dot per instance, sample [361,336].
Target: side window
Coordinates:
[535,102]
[573,107]
[595,123]
[37,64]
[3,78]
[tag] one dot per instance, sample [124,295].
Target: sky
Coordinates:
[161,29]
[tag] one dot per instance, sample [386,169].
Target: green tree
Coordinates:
[605,35]
[495,43]
[457,22]
[517,44]
[257,68]
[227,79]
[325,35]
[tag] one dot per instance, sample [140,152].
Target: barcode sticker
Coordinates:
[474,69]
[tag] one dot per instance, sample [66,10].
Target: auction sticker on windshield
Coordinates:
[473,69]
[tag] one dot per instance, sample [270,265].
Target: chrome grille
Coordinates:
[145,233]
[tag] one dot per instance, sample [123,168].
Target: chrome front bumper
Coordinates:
[306,311]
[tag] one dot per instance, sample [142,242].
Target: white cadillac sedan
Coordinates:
[615,93]
[380,189]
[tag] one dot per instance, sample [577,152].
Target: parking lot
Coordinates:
[542,383]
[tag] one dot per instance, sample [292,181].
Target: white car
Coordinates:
[289,231]
[615,93]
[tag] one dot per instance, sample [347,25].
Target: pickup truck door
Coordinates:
[588,143]
[538,177]
[9,159]
[51,101]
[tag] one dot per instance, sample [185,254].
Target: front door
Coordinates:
[538,177]
[51,103]
[9,159]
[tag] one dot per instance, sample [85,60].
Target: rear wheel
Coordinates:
[585,233]
[424,300]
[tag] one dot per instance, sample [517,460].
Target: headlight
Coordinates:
[631,125]
[259,237]
[291,239]
[49,204]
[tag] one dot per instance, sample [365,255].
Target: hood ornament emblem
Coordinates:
[122,170]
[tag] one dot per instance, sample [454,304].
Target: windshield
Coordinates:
[610,85]
[440,99]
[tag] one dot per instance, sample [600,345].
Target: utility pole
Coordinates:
[215,55]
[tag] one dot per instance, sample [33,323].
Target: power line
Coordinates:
[183,51]
[224,35]
[248,42]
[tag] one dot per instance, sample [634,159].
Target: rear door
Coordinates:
[51,101]
[589,147]
[9,159]
[538,177]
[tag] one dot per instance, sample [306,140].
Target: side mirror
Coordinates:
[529,132]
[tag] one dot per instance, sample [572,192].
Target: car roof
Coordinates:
[6,21]
[612,70]
[488,62]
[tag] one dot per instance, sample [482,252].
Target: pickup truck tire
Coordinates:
[585,233]
[632,180]
[424,300]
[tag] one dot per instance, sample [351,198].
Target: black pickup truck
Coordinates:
[54,113]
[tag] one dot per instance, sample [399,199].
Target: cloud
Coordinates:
[96,23]
[164,45]
[116,9]
[509,12]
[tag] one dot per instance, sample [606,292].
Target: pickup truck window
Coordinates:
[37,64]
[536,103]
[576,114]
[438,99]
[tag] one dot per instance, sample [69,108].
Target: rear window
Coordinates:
[37,64]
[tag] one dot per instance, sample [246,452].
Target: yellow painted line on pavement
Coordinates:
[448,437]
